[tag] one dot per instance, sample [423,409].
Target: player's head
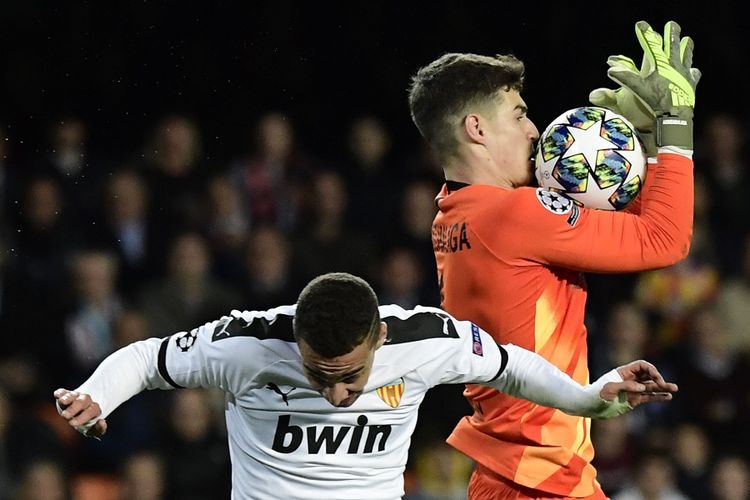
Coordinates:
[469,109]
[338,329]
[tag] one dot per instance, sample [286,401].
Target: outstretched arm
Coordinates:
[121,376]
[531,377]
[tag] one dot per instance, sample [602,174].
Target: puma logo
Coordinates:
[284,395]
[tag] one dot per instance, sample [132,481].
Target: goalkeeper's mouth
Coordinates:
[534,149]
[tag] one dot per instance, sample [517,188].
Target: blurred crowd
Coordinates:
[96,253]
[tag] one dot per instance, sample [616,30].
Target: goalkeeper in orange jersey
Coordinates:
[513,263]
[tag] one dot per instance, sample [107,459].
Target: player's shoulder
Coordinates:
[523,205]
[413,325]
[275,324]
[496,204]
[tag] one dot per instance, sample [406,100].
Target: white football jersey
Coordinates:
[285,439]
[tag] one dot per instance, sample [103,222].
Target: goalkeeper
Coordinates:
[513,263]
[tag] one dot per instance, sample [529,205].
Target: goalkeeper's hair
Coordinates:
[442,93]
[336,312]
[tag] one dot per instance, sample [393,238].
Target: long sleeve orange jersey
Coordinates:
[511,261]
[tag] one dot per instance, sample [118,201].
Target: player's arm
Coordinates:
[529,376]
[596,240]
[185,359]
[119,377]
[473,357]
[659,97]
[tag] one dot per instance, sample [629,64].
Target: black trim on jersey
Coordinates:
[455,185]
[503,362]
[419,326]
[162,365]
[281,327]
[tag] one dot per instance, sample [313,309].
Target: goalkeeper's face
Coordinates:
[510,138]
[341,380]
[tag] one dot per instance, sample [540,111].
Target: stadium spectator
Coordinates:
[711,370]
[128,230]
[723,164]
[271,179]
[175,176]
[227,228]
[69,162]
[654,480]
[371,174]
[730,479]
[196,458]
[733,302]
[268,278]
[44,480]
[691,454]
[95,308]
[188,295]
[37,268]
[328,243]
[401,280]
[616,453]
[143,477]
[671,295]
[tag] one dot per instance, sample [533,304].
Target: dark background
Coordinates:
[121,65]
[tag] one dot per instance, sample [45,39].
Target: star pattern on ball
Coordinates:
[588,142]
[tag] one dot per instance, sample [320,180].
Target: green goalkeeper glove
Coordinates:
[623,102]
[667,88]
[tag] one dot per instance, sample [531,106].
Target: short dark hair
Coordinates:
[441,91]
[336,312]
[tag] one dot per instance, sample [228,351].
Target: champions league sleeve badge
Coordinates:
[555,203]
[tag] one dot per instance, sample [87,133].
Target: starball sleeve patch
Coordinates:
[555,203]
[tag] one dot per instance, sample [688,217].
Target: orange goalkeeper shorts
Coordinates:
[487,485]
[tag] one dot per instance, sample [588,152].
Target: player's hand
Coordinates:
[624,102]
[80,412]
[666,83]
[641,383]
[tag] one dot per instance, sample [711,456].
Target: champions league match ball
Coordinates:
[592,156]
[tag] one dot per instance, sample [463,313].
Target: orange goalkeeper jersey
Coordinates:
[511,261]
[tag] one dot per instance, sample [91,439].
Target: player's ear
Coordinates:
[382,334]
[474,128]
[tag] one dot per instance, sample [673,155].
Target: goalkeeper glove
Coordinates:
[623,102]
[667,88]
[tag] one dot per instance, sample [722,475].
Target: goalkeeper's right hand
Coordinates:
[666,84]
[623,102]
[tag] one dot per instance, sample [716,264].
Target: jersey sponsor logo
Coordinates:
[186,341]
[329,439]
[555,203]
[284,395]
[476,345]
[391,393]
[450,239]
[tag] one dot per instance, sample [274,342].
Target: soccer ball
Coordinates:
[592,156]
